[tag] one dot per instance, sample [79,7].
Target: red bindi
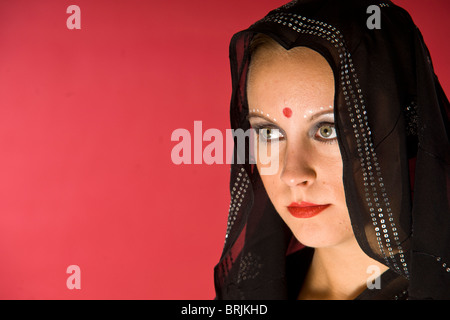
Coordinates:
[287,112]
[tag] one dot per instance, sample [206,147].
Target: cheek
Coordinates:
[327,162]
[273,186]
[267,157]
[277,191]
[269,161]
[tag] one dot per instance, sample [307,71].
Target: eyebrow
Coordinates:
[320,113]
[314,116]
[257,115]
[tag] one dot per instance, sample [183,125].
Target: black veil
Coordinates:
[392,120]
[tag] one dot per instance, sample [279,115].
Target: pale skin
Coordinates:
[296,88]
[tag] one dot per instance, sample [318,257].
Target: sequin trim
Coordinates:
[238,192]
[401,295]
[412,119]
[288,5]
[444,265]
[249,267]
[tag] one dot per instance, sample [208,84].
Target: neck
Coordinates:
[338,272]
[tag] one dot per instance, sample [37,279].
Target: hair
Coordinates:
[261,40]
[263,48]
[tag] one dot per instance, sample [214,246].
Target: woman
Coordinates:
[361,126]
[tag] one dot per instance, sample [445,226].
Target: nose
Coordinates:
[298,169]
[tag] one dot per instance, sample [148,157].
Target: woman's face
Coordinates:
[293,92]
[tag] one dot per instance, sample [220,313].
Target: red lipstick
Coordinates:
[306,209]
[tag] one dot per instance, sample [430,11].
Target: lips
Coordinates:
[306,209]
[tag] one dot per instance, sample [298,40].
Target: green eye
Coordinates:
[327,132]
[270,134]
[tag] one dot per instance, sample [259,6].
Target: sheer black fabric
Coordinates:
[392,121]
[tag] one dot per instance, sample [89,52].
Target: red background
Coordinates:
[86,118]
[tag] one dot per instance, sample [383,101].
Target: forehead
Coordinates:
[300,77]
[275,56]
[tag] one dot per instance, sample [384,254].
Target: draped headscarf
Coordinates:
[392,122]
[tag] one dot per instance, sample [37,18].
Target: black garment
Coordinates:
[392,122]
[392,285]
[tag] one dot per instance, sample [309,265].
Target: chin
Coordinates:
[320,233]
[326,241]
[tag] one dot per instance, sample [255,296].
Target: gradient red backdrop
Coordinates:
[86,118]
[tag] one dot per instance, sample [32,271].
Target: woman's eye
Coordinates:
[268,134]
[326,132]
